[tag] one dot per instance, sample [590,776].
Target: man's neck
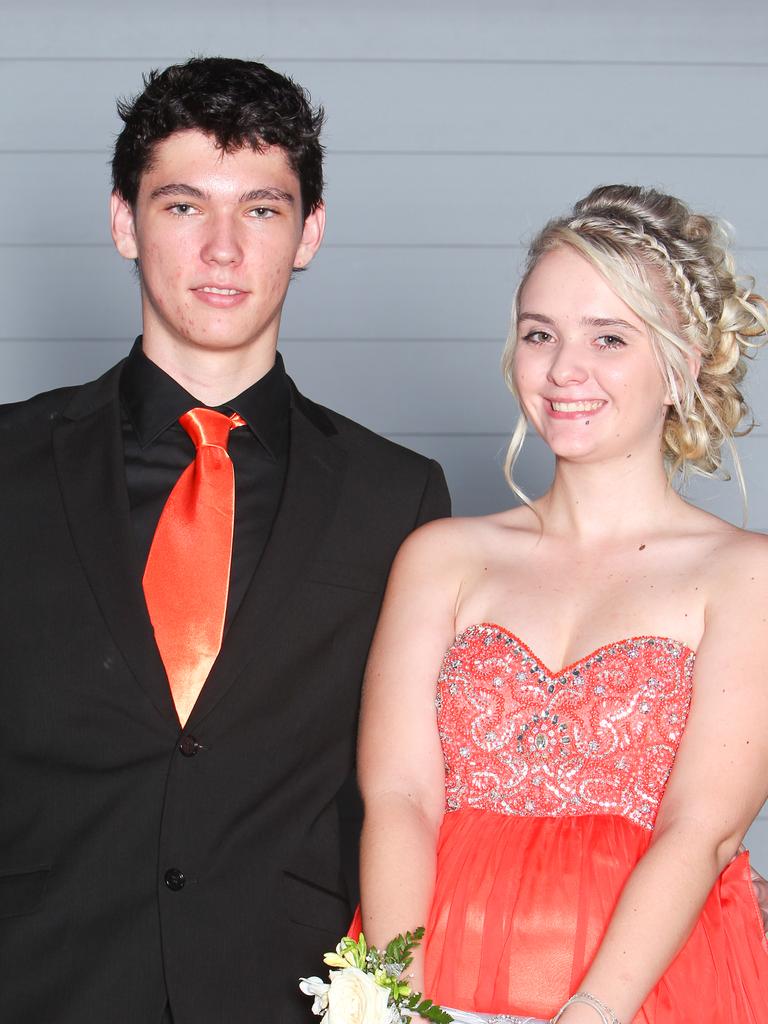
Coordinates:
[213,376]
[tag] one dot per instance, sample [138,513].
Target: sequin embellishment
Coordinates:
[600,737]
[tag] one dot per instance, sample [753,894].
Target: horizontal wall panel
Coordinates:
[426,107]
[416,199]
[346,293]
[474,199]
[92,293]
[474,469]
[28,368]
[431,387]
[54,199]
[488,29]
[393,386]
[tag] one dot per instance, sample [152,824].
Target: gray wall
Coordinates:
[454,130]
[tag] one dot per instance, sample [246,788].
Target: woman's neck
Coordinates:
[599,502]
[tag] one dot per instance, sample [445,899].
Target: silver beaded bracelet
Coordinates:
[607,1016]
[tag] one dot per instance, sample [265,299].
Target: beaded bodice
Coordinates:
[598,737]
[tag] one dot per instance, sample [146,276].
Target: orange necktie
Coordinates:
[186,579]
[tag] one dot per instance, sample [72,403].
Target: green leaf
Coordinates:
[427,1009]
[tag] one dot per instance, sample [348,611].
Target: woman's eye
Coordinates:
[537,337]
[610,341]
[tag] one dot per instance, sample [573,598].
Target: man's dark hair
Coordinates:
[236,102]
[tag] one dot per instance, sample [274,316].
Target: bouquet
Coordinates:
[367,986]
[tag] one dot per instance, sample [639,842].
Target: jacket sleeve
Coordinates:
[436,499]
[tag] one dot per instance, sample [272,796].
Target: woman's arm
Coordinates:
[400,764]
[717,786]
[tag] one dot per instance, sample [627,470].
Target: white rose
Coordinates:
[317,988]
[355,998]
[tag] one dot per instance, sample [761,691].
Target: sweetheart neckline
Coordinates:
[579,661]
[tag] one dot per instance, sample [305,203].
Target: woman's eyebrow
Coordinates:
[536,316]
[600,321]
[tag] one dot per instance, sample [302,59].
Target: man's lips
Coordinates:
[221,296]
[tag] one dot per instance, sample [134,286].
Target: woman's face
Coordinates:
[584,367]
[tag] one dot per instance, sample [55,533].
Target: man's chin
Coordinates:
[221,341]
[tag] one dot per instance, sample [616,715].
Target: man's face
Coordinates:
[216,236]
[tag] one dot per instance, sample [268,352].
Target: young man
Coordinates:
[193,560]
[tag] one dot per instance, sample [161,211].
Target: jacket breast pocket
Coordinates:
[22,892]
[311,904]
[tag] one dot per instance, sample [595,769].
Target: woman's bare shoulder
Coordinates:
[463,539]
[735,562]
[742,551]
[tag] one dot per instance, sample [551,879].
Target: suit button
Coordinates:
[175,879]
[189,746]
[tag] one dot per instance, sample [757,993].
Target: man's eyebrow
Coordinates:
[178,188]
[270,194]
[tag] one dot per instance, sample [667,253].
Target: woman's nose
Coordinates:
[568,366]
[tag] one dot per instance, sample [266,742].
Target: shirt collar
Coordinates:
[154,401]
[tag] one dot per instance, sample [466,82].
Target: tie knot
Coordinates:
[208,427]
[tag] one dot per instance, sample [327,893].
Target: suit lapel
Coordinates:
[88,450]
[316,465]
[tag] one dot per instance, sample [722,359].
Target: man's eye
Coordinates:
[537,337]
[610,341]
[261,212]
[182,209]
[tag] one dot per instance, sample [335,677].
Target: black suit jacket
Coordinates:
[104,800]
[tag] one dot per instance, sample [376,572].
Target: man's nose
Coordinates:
[222,244]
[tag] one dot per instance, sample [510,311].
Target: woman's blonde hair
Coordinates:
[675,270]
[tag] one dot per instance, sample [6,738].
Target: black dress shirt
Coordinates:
[157,450]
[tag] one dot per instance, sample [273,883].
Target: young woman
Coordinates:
[567,823]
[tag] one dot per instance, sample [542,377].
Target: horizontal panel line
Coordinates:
[378,153]
[448,433]
[385,246]
[366,60]
[55,152]
[293,340]
[284,340]
[505,435]
[655,154]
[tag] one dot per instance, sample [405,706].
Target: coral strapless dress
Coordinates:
[553,782]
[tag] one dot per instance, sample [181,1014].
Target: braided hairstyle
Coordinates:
[674,269]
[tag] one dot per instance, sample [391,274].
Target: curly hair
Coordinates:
[236,102]
[675,270]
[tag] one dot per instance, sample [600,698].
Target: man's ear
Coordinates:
[311,237]
[123,226]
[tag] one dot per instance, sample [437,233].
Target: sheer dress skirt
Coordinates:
[521,905]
